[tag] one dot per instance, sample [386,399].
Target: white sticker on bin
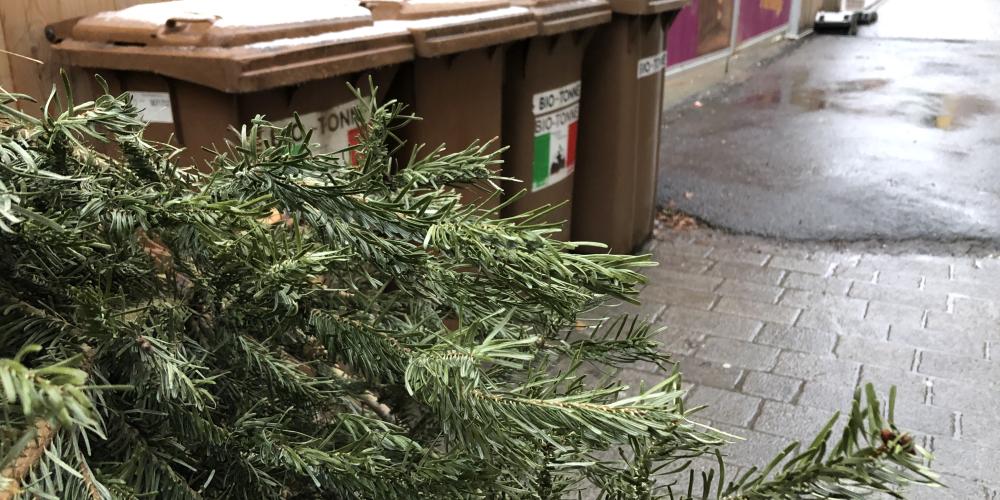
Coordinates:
[652,65]
[154,107]
[334,129]
[551,100]
[557,112]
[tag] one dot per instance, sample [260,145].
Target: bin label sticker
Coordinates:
[559,98]
[334,129]
[556,114]
[154,107]
[652,65]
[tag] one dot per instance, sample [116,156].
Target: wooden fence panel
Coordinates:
[22,31]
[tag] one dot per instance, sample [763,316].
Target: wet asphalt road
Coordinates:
[881,136]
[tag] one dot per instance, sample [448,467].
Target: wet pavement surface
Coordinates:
[880,136]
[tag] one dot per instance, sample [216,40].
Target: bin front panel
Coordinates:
[458,99]
[541,123]
[648,116]
[604,180]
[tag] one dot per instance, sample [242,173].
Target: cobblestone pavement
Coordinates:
[776,336]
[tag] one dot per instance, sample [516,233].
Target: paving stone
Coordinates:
[980,399]
[715,323]
[738,353]
[896,295]
[723,406]
[838,323]
[757,310]
[979,289]
[708,373]
[900,280]
[664,294]
[679,482]
[756,448]
[831,396]
[968,344]
[770,386]
[677,341]
[945,365]
[747,272]
[811,367]
[910,386]
[687,281]
[797,422]
[647,311]
[956,488]
[817,267]
[924,419]
[875,352]
[639,380]
[666,249]
[835,304]
[796,338]
[972,307]
[682,263]
[843,258]
[975,269]
[920,265]
[895,314]
[753,291]
[813,283]
[979,429]
[947,322]
[964,459]
[857,273]
[740,256]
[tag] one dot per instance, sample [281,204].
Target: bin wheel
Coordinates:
[852,29]
[873,18]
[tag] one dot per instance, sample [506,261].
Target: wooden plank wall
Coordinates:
[22,31]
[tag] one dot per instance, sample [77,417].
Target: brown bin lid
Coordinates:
[237,46]
[560,16]
[441,27]
[643,7]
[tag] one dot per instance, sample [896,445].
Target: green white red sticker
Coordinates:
[557,112]
[334,129]
[154,107]
[652,65]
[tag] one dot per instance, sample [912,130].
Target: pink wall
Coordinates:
[702,27]
[682,38]
[759,16]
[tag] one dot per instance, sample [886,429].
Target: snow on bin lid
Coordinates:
[234,45]
[642,7]
[559,16]
[442,27]
[220,23]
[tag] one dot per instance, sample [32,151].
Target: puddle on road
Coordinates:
[812,98]
[956,111]
[941,111]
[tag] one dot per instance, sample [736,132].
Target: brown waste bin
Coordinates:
[198,68]
[541,110]
[455,83]
[617,156]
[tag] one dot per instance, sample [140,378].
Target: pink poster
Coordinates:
[702,27]
[761,16]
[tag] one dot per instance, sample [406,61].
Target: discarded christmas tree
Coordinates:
[290,326]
